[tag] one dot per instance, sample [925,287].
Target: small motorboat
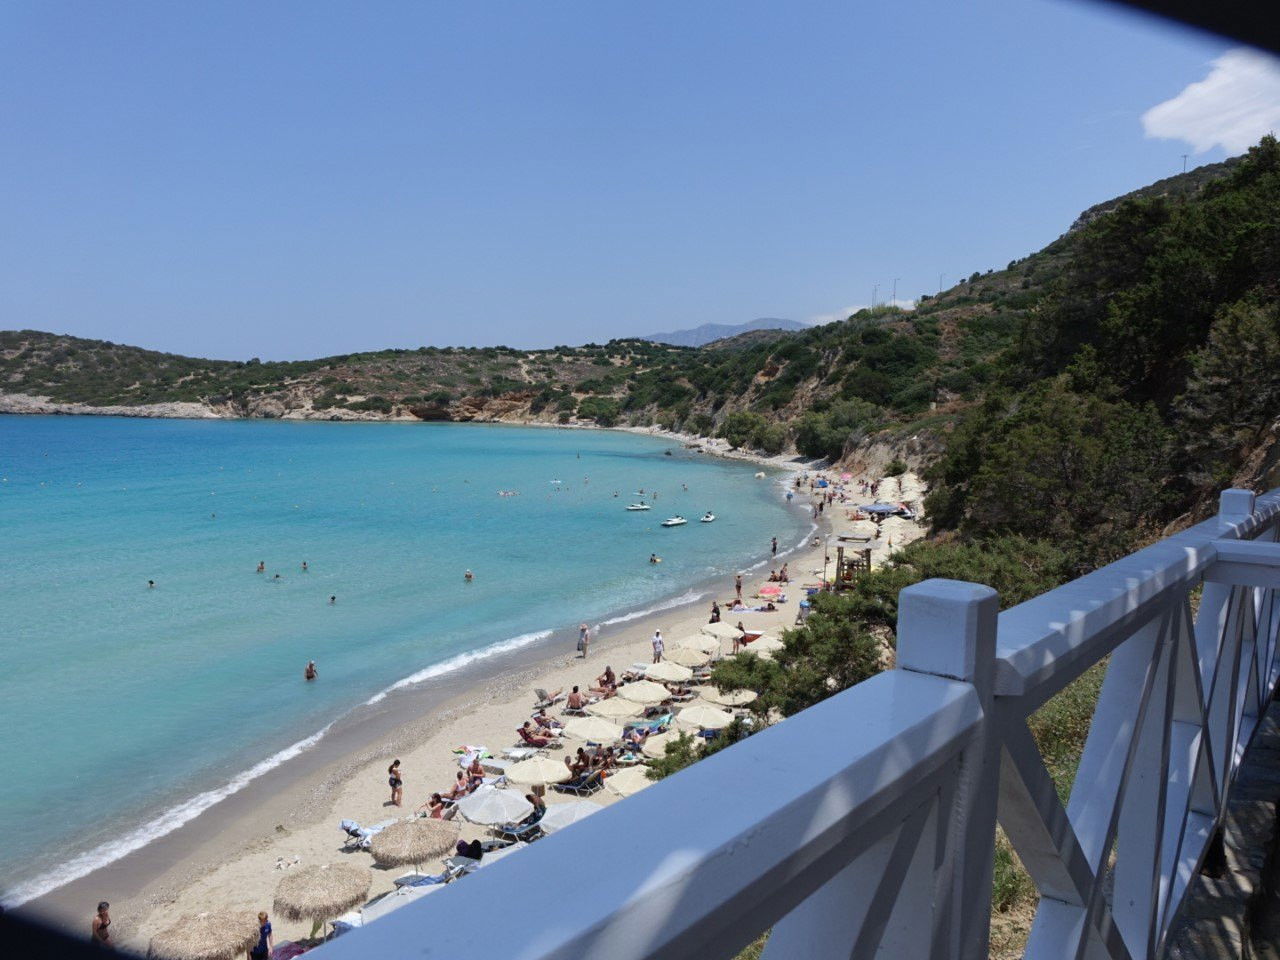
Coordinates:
[708,517]
[674,522]
[639,506]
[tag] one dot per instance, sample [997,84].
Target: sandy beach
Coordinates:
[278,823]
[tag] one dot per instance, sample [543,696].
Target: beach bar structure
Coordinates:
[865,825]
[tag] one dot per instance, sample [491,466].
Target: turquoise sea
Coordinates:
[126,710]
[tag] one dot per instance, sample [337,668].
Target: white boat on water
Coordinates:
[674,522]
[639,506]
[708,517]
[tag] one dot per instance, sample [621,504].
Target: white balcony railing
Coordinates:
[865,825]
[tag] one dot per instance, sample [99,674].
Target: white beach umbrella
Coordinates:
[561,815]
[665,672]
[705,717]
[614,708]
[626,782]
[656,745]
[593,728]
[489,805]
[644,691]
[735,698]
[764,648]
[687,656]
[537,770]
[721,630]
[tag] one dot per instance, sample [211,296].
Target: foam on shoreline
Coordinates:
[154,829]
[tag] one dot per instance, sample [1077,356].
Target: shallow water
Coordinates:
[124,710]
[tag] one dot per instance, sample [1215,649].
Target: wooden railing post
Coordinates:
[948,628]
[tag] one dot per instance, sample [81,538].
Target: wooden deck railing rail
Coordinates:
[865,825]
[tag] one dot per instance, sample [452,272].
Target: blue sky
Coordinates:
[299,179]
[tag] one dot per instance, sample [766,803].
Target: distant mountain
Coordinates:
[709,332]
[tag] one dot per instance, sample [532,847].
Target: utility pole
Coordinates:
[874,290]
[940,276]
[1184,163]
[894,301]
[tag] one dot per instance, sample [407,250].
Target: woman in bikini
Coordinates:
[459,787]
[606,683]
[101,935]
[396,784]
[435,807]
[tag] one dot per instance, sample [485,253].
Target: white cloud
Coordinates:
[835,315]
[847,312]
[1233,107]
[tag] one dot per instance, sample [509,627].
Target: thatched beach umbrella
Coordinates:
[626,782]
[686,657]
[413,841]
[644,691]
[596,729]
[615,708]
[704,716]
[537,770]
[213,935]
[322,892]
[665,672]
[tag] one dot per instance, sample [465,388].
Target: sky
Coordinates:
[301,179]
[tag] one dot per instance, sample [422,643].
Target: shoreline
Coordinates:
[297,793]
[226,856]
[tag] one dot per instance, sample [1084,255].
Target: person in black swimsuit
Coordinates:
[397,785]
[101,936]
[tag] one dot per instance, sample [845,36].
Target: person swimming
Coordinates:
[332,601]
[310,673]
[304,566]
[151,584]
[262,566]
[277,577]
[654,558]
[468,576]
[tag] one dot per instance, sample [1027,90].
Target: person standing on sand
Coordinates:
[100,935]
[394,781]
[584,639]
[737,585]
[266,941]
[657,645]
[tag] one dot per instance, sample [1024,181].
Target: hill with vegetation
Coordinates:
[1140,341]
